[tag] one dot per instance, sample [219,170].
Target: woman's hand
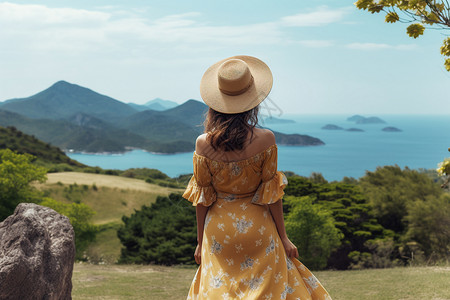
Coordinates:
[291,250]
[198,254]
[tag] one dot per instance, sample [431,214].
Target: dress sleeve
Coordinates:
[199,189]
[273,182]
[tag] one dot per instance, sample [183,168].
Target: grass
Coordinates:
[158,282]
[111,197]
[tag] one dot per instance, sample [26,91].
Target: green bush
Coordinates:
[311,227]
[16,174]
[162,233]
[80,216]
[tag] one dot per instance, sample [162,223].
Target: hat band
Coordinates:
[241,91]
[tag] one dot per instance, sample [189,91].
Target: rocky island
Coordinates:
[354,129]
[273,120]
[332,127]
[358,119]
[391,129]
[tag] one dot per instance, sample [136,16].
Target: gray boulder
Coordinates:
[37,252]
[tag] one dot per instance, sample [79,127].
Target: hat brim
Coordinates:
[258,91]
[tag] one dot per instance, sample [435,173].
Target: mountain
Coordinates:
[76,118]
[20,142]
[138,107]
[160,104]
[89,135]
[64,99]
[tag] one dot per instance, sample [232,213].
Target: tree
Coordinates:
[79,215]
[16,174]
[391,190]
[163,233]
[311,227]
[429,226]
[352,214]
[421,13]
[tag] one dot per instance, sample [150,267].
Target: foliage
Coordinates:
[390,190]
[162,233]
[312,228]
[80,216]
[444,167]
[16,174]
[155,176]
[44,153]
[380,255]
[429,226]
[350,209]
[412,205]
[434,13]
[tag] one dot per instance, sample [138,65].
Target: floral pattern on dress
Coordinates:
[242,254]
[242,225]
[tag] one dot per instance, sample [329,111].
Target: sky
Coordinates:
[326,57]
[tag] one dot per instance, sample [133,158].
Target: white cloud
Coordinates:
[320,17]
[379,46]
[39,14]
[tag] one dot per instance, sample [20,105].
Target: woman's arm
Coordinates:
[201,215]
[276,209]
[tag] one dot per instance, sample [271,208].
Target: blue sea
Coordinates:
[422,143]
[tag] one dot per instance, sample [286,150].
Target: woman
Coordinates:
[243,250]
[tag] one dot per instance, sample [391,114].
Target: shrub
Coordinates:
[163,233]
[311,227]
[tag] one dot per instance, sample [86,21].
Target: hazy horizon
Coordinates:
[326,56]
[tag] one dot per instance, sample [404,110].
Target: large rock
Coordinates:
[37,252]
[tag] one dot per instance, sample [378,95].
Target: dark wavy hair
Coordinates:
[229,132]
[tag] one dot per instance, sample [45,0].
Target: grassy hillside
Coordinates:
[23,143]
[111,197]
[158,282]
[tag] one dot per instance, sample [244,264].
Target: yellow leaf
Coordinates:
[391,17]
[414,30]
[445,48]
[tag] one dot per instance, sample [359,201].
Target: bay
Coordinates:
[422,143]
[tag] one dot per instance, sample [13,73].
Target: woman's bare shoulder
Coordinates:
[265,137]
[201,144]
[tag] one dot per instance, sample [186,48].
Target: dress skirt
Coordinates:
[243,257]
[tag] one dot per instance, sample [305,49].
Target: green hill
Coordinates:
[64,99]
[76,118]
[20,142]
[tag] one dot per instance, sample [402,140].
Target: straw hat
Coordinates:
[236,84]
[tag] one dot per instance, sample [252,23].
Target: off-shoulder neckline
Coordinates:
[237,161]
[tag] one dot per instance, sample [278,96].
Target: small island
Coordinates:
[358,119]
[332,127]
[297,139]
[273,120]
[354,129]
[391,129]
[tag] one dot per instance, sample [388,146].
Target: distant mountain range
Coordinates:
[155,104]
[76,118]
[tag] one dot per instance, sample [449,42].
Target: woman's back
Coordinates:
[255,144]
[238,172]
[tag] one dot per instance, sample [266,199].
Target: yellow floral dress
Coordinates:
[242,253]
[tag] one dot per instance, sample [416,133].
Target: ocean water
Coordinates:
[422,143]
